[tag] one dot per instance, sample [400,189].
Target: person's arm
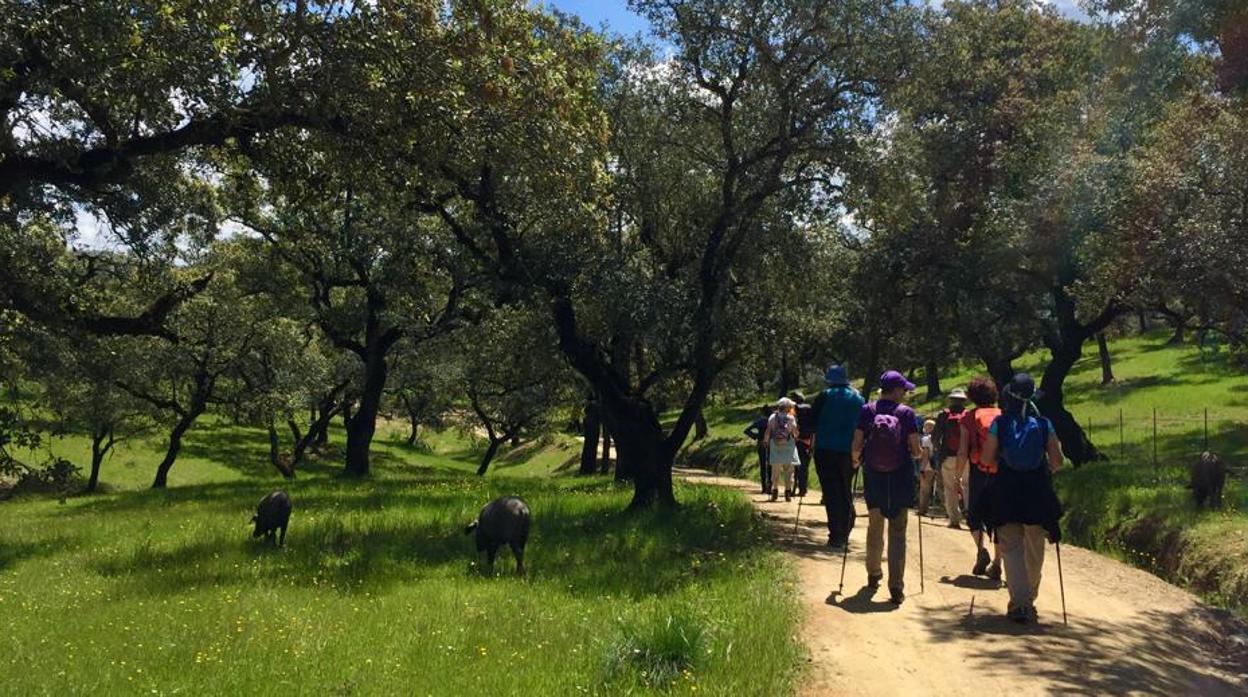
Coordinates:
[856,451]
[753,431]
[988,453]
[767,433]
[938,435]
[916,448]
[964,450]
[1054,449]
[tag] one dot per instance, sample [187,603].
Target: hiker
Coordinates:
[974,433]
[835,413]
[927,474]
[887,439]
[757,430]
[946,439]
[805,436]
[1020,506]
[782,447]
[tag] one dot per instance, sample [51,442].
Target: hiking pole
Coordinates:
[1061,583]
[799,512]
[922,588]
[853,484]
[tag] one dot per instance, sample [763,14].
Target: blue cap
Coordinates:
[892,379]
[836,375]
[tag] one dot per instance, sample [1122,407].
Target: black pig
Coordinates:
[504,520]
[1208,478]
[272,513]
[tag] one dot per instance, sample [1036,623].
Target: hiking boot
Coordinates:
[1032,616]
[955,525]
[895,596]
[994,571]
[981,562]
[873,580]
[775,494]
[788,495]
[1017,614]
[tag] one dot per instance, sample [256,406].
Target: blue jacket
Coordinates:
[836,412]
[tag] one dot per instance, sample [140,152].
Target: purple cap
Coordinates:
[892,379]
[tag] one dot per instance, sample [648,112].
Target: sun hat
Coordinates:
[892,379]
[785,403]
[957,393]
[836,375]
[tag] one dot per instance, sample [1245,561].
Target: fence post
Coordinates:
[1122,440]
[1156,474]
[1206,429]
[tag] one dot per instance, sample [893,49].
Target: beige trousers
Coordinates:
[1022,551]
[953,488]
[896,546]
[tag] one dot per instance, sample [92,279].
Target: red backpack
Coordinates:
[952,437]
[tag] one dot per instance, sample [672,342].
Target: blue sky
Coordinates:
[616,15]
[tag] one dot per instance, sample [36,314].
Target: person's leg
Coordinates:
[953,490]
[897,549]
[776,469]
[1010,537]
[927,480]
[845,470]
[1034,539]
[764,471]
[829,482]
[786,477]
[875,544]
[803,469]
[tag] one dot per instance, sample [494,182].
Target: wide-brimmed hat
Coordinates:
[836,375]
[785,403]
[958,393]
[892,379]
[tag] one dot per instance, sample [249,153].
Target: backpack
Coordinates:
[1023,442]
[884,441]
[977,426]
[805,422]
[781,428]
[951,437]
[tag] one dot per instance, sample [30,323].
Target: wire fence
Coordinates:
[1166,438]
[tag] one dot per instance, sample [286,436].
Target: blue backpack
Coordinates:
[1023,441]
[884,442]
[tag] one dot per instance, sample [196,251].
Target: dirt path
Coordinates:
[1129,632]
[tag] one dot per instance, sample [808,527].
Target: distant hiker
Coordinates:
[927,474]
[782,435]
[974,433]
[758,431]
[946,439]
[503,521]
[1020,505]
[887,439]
[835,413]
[805,436]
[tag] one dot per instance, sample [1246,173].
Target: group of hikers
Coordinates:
[994,460]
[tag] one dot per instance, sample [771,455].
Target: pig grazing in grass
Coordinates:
[503,521]
[272,513]
[1208,478]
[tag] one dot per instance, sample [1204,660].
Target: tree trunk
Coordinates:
[363,424]
[489,455]
[641,450]
[788,374]
[1180,328]
[175,446]
[593,435]
[1142,317]
[101,443]
[932,374]
[1107,370]
[700,429]
[324,416]
[1000,369]
[275,451]
[606,456]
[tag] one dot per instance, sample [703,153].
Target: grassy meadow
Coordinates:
[378,591]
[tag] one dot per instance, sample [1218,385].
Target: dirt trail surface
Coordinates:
[1129,632]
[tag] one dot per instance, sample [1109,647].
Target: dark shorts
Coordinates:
[979,480]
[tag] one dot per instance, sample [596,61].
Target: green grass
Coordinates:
[378,591]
